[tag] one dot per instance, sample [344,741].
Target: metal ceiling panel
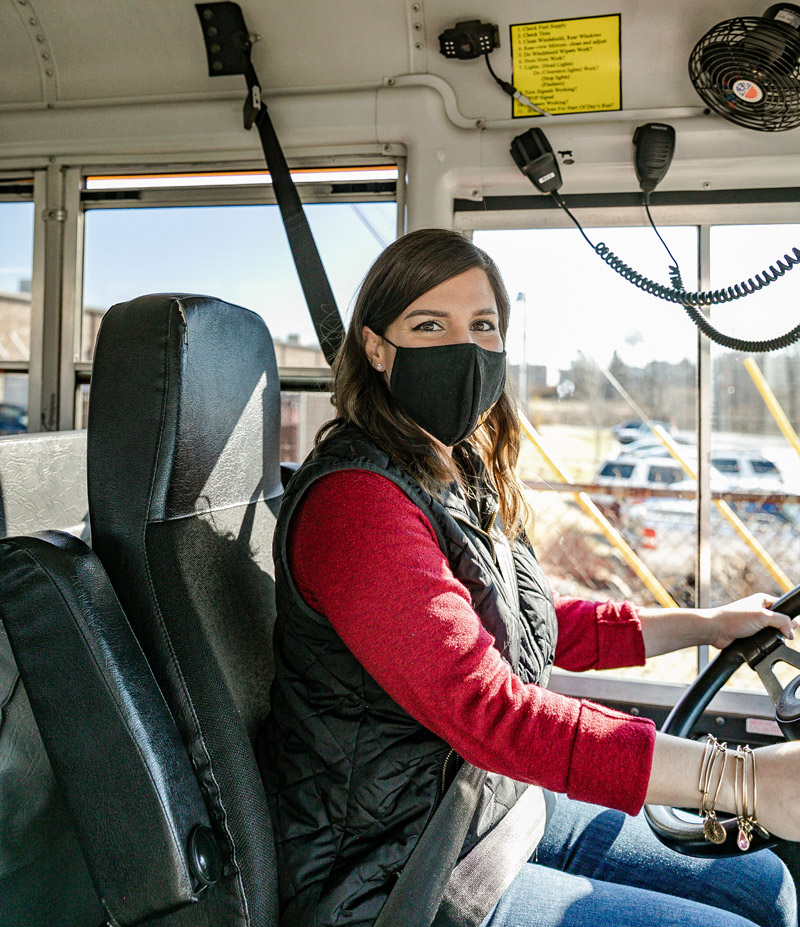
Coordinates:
[20,72]
[116,50]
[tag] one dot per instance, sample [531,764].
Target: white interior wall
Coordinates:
[128,84]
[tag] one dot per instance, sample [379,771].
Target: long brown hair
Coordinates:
[408,268]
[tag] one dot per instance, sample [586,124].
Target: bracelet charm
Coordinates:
[713,831]
[745,796]
[745,833]
[712,769]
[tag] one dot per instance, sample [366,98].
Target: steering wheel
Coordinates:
[761,651]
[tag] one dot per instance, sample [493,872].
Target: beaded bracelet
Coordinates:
[712,769]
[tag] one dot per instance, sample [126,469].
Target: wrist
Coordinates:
[706,623]
[668,629]
[728,787]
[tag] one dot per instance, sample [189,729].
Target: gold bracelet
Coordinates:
[745,797]
[712,770]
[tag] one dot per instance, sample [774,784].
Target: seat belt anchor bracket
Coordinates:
[252,106]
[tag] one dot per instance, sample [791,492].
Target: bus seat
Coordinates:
[184,483]
[42,870]
[132,795]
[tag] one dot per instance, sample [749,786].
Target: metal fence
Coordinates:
[660,528]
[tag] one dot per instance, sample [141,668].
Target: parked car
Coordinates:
[746,471]
[640,471]
[729,470]
[13,419]
[652,447]
[634,474]
[632,430]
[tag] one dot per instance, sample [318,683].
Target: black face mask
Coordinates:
[447,388]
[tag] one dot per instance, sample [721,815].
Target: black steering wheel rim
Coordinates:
[760,651]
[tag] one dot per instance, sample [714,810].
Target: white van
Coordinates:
[640,472]
[729,470]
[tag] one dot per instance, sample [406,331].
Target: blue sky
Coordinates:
[237,253]
[16,245]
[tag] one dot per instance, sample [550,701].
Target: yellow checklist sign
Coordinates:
[568,65]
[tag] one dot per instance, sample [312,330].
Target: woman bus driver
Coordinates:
[416,628]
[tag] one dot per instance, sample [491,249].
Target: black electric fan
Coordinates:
[747,69]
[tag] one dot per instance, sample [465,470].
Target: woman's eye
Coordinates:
[483,325]
[428,326]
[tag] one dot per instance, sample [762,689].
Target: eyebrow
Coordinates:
[441,314]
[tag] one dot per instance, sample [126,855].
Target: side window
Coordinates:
[665,475]
[238,252]
[589,353]
[618,471]
[16,273]
[766,467]
[756,409]
[725,464]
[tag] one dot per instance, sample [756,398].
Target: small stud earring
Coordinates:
[379,366]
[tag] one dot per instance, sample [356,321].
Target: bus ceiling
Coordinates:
[109,82]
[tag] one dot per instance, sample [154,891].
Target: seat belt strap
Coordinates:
[313,279]
[434,889]
[416,897]
[228,46]
[479,880]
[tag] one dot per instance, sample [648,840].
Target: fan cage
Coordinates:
[746,69]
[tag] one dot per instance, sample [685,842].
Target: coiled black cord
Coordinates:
[690,300]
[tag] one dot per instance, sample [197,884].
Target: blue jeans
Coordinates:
[601,868]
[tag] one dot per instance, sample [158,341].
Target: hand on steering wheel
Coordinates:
[761,652]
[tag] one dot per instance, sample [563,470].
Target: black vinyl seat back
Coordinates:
[184,484]
[44,881]
[133,799]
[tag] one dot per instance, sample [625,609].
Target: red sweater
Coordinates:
[366,557]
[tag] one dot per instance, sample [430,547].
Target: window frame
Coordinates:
[25,187]
[702,209]
[76,201]
[55,186]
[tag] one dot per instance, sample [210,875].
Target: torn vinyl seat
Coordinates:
[184,482]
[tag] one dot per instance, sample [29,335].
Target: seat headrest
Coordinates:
[185,407]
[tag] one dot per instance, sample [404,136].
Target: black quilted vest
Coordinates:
[352,778]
